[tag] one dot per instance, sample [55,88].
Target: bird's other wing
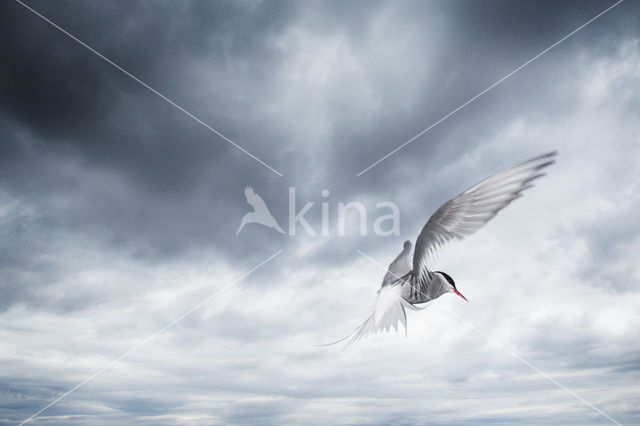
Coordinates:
[388,311]
[254,200]
[465,214]
[400,266]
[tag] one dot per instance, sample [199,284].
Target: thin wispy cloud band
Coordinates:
[149,338]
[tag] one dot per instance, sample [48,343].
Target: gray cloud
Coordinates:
[118,212]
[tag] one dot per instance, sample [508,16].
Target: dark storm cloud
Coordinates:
[67,114]
[74,103]
[141,177]
[69,96]
[475,46]
[110,198]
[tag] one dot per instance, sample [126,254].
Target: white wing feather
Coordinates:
[457,218]
[400,266]
[465,214]
[388,311]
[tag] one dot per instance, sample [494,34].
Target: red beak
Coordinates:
[455,290]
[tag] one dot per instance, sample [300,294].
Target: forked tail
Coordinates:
[388,311]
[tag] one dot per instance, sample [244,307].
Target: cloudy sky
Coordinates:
[119,212]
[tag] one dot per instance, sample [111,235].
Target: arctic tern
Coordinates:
[409,281]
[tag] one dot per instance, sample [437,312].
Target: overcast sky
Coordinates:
[118,212]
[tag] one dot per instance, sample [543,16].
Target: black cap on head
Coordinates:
[447,277]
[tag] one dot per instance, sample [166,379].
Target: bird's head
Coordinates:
[452,283]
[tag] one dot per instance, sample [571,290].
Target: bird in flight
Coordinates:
[409,281]
[260,213]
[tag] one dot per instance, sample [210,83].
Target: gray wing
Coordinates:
[400,266]
[465,214]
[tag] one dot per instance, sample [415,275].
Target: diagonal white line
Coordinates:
[490,87]
[509,351]
[148,87]
[148,338]
[527,363]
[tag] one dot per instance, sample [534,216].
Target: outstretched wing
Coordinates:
[254,200]
[465,214]
[400,266]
